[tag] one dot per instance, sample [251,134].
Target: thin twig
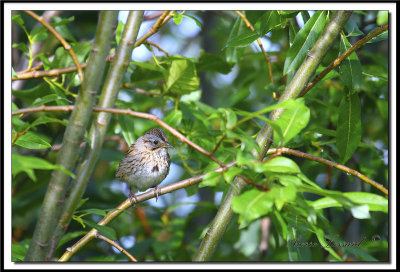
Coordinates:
[66,45]
[116,245]
[249,25]
[339,60]
[49,73]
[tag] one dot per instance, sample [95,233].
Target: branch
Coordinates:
[116,245]
[249,25]
[339,60]
[60,38]
[73,136]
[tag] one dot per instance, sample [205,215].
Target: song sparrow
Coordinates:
[146,163]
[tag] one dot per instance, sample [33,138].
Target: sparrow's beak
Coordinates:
[167,145]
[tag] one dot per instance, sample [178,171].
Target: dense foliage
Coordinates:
[215,87]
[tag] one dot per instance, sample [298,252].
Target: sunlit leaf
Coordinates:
[32,141]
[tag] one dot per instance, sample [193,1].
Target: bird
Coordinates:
[146,163]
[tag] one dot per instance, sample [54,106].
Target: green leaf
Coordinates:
[118,32]
[60,26]
[251,205]
[18,20]
[348,132]
[304,41]
[267,22]
[279,165]
[127,124]
[177,18]
[231,118]
[293,120]
[381,37]
[234,54]
[382,17]
[70,236]
[321,238]
[25,164]
[32,141]
[211,179]
[174,118]
[45,119]
[93,211]
[350,69]
[360,212]
[280,223]
[191,97]
[21,46]
[49,98]
[145,72]
[242,40]
[232,173]
[374,202]
[208,62]
[18,252]
[182,77]
[352,28]
[283,194]
[13,73]
[103,230]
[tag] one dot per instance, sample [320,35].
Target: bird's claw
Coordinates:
[133,199]
[157,192]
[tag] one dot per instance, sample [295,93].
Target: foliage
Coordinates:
[219,96]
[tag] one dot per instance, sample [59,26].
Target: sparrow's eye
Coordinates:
[155,142]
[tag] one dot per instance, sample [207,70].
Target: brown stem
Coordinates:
[116,245]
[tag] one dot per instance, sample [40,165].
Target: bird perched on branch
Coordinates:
[146,163]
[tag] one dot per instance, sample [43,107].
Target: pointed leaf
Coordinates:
[348,133]
[304,41]
[350,69]
[32,141]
